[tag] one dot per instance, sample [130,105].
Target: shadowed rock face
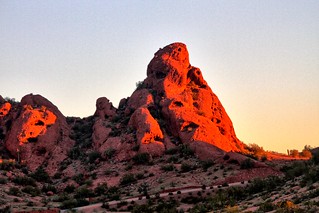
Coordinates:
[184,103]
[39,134]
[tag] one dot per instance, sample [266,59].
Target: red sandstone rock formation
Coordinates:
[39,134]
[180,98]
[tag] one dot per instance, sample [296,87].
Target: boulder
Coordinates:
[148,132]
[104,108]
[39,134]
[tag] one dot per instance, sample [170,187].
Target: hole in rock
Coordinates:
[32,140]
[178,103]
[39,123]
[221,130]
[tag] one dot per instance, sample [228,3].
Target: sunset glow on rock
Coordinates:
[37,120]
[5,109]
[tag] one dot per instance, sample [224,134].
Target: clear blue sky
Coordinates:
[261,58]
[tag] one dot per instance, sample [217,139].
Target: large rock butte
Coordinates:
[175,99]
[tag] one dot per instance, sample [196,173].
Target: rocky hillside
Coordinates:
[172,133]
[174,105]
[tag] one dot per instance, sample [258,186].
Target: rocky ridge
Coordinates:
[174,105]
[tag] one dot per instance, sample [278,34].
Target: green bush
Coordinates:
[3,180]
[83,192]
[33,191]
[185,151]
[247,164]
[24,181]
[185,167]
[127,179]
[48,188]
[94,156]
[109,153]
[14,191]
[207,164]
[69,189]
[101,189]
[142,158]
[169,167]
[41,175]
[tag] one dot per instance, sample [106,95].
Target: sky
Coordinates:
[261,58]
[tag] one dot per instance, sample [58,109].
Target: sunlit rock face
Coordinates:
[39,134]
[4,109]
[36,122]
[183,103]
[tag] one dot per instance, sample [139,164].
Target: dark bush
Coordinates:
[247,164]
[94,156]
[141,158]
[101,189]
[49,187]
[69,189]
[14,191]
[3,180]
[109,153]
[127,179]
[83,192]
[24,181]
[185,167]
[33,191]
[207,164]
[41,175]
[169,167]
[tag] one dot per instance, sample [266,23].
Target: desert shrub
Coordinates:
[101,189]
[185,151]
[256,151]
[24,181]
[7,165]
[171,151]
[139,176]
[141,158]
[79,179]
[172,159]
[41,175]
[14,191]
[93,156]
[68,204]
[109,153]
[127,179]
[113,193]
[315,158]
[75,153]
[247,164]
[295,170]
[3,180]
[266,207]
[185,167]
[83,192]
[69,189]
[145,208]
[207,164]
[294,153]
[169,167]
[33,191]
[139,85]
[49,187]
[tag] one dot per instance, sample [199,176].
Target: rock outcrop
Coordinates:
[38,134]
[176,99]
